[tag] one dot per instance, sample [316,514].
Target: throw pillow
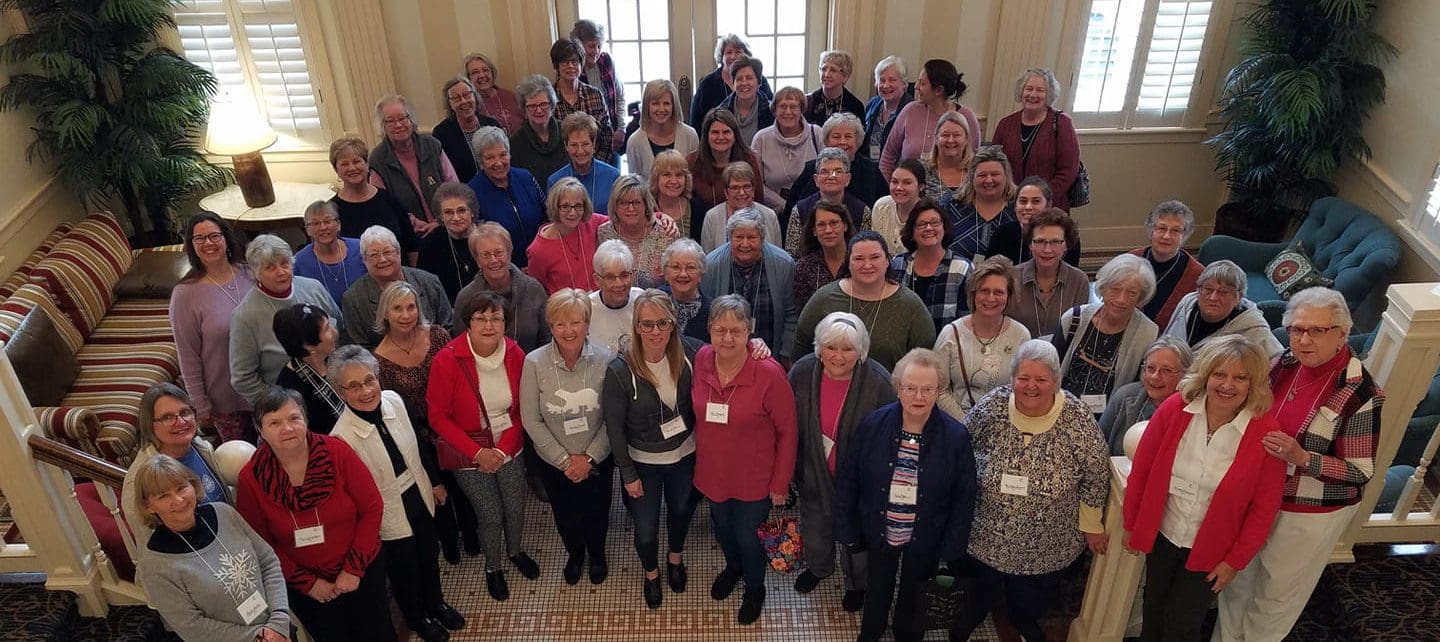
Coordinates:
[1292,271]
[45,365]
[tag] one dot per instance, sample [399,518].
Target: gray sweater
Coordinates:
[1139,334]
[256,356]
[551,394]
[198,592]
[524,308]
[1250,323]
[363,298]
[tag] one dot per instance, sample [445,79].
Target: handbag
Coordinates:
[939,602]
[964,375]
[780,536]
[447,456]
[1079,192]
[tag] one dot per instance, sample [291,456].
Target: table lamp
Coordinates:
[237,130]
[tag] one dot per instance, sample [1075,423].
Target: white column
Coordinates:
[1114,576]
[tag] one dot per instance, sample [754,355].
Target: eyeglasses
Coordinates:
[494,255]
[566,207]
[729,332]
[832,173]
[315,224]
[382,254]
[456,214]
[919,391]
[187,414]
[368,382]
[1166,230]
[615,278]
[1047,242]
[1208,291]
[1314,333]
[488,319]
[631,203]
[537,106]
[391,122]
[742,188]
[663,325]
[925,225]
[1160,370]
[833,225]
[213,238]
[687,269]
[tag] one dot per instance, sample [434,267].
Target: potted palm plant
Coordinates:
[116,113]
[1294,106]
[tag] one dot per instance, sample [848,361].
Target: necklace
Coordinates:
[984,344]
[410,351]
[1290,394]
[228,287]
[1174,263]
[878,304]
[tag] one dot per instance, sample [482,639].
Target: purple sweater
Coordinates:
[200,312]
[914,134]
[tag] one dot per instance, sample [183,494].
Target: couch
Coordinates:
[85,324]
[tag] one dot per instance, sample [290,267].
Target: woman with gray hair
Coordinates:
[1165,362]
[892,93]
[751,111]
[1104,343]
[832,177]
[1044,479]
[1218,307]
[447,255]
[661,128]
[1177,273]
[634,221]
[1330,457]
[1039,139]
[538,146]
[613,304]
[740,187]
[762,274]
[716,85]
[309,337]
[462,120]
[377,425]
[683,264]
[168,425]
[785,147]
[599,70]
[382,262]
[835,388]
[845,132]
[329,258]
[256,356]
[524,296]
[506,194]
[832,97]
[495,101]
[404,146]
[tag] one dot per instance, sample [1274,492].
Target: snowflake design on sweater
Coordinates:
[237,573]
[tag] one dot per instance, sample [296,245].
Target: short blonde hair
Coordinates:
[626,184]
[653,90]
[562,187]
[667,161]
[921,357]
[788,92]
[578,121]
[1221,350]
[490,230]
[997,265]
[157,475]
[567,301]
[841,58]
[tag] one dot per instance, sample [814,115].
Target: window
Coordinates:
[254,47]
[1430,216]
[637,35]
[776,32]
[1139,62]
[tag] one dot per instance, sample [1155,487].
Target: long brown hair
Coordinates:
[674,349]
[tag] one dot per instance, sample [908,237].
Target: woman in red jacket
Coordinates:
[313,500]
[474,399]
[1038,139]
[1203,492]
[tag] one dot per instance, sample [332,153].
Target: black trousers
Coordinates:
[887,564]
[582,510]
[412,563]
[1027,597]
[1176,598]
[676,484]
[360,615]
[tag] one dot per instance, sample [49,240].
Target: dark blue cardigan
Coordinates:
[522,220]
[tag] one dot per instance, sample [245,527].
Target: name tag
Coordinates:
[253,607]
[1018,485]
[1047,337]
[405,480]
[500,424]
[576,425]
[1184,489]
[717,413]
[1096,403]
[903,494]
[673,427]
[310,536]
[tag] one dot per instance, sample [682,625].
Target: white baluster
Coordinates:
[1406,503]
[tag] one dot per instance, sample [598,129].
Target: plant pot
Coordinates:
[1253,221]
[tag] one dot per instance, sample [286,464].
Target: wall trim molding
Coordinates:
[1395,195]
[28,208]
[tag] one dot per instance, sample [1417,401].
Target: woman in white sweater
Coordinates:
[660,128]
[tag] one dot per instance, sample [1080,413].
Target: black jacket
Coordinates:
[452,139]
[866,184]
[634,412]
[711,91]
[872,119]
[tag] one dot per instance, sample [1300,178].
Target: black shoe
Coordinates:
[751,604]
[724,583]
[451,550]
[853,601]
[599,569]
[526,566]
[652,592]
[572,570]
[430,631]
[495,583]
[471,542]
[448,617]
[806,582]
[677,576]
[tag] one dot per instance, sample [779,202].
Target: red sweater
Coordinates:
[753,455]
[338,489]
[567,262]
[1244,505]
[454,398]
[1054,153]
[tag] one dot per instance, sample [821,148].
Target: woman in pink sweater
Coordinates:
[937,91]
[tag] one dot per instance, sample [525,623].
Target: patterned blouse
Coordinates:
[943,293]
[648,270]
[410,383]
[589,100]
[811,272]
[973,233]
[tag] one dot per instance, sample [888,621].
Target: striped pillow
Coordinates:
[83,268]
[21,275]
[27,298]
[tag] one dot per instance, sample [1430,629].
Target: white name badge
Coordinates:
[1018,485]
[673,427]
[310,536]
[253,607]
[576,425]
[1183,489]
[1096,403]
[717,413]
[501,423]
[405,480]
[1047,337]
[903,494]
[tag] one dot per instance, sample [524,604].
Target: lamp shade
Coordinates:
[237,128]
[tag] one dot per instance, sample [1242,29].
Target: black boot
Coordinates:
[751,604]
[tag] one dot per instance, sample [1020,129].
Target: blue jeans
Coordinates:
[735,524]
[675,483]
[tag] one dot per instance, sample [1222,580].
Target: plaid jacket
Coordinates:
[611,90]
[946,298]
[590,101]
[1341,435]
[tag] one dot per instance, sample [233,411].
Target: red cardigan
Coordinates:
[454,399]
[1241,512]
[752,456]
[1189,280]
[1054,153]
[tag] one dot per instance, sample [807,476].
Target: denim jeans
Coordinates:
[675,483]
[735,524]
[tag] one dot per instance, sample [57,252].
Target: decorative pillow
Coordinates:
[1292,271]
[43,363]
[21,275]
[82,270]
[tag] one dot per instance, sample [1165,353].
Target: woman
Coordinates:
[722,145]
[377,425]
[201,308]
[633,221]
[1046,285]
[868,294]
[382,267]
[560,405]
[578,130]
[650,422]
[1032,196]
[473,392]
[740,186]
[832,97]
[523,296]
[1177,273]
[309,337]
[312,499]
[892,93]
[404,147]
[929,268]
[1328,407]
[447,255]
[462,120]
[751,111]
[684,266]
[361,204]
[1041,465]
[832,178]
[905,522]
[892,211]
[715,86]
[562,252]
[1103,343]
[256,356]
[835,389]
[506,195]
[784,147]
[660,129]
[204,569]
[744,447]
[672,187]
[983,204]
[574,95]
[1039,139]
[1203,490]
[539,148]
[612,306]
[978,346]
[168,425]
[331,259]
[937,91]
[599,70]
[1218,307]
[494,101]
[826,237]
[1165,362]
[947,162]
[844,132]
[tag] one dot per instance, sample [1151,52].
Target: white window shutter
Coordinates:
[1174,56]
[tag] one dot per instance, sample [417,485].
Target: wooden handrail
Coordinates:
[77,461]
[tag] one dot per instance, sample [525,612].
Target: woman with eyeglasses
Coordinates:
[447,255]
[1165,362]
[493,101]
[1218,307]
[463,118]
[522,295]
[575,95]
[1032,196]
[1102,344]
[404,147]
[929,269]
[538,146]
[826,236]
[331,259]
[977,347]
[169,425]
[634,220]
[383,267]
[1046,286]
[562,253]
